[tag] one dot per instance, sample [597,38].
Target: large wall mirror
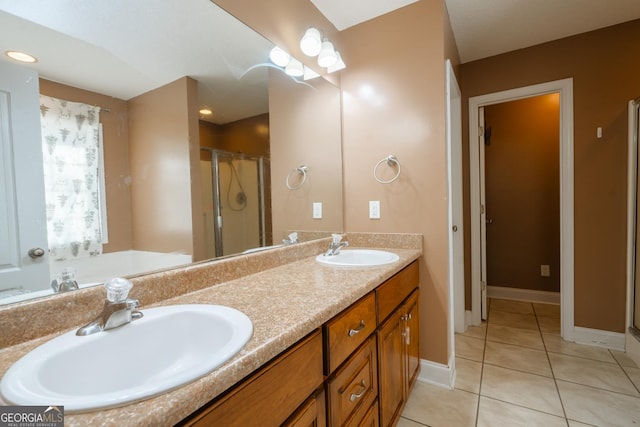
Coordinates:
[176,185]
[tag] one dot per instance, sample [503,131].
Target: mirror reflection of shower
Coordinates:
[233,201]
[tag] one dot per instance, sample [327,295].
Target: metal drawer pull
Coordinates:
[353,332]
[355,396]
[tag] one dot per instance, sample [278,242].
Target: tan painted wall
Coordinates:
[306,130]
[116,152]
[522,181]
[161,138]
[393,103]
[605,67]
[393,100]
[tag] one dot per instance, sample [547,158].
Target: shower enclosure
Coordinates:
[233,200]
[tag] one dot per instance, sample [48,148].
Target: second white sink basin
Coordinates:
[169,347]
[359,258]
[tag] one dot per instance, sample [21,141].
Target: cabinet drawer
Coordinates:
[371,417]
[345,332]
[272,394]
[354,387]
[392,292]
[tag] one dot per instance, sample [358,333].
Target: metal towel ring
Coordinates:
[391,161]
[302,170]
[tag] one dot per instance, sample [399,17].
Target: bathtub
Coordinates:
[96,270]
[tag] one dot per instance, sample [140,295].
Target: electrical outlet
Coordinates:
[317,210]
[545,270]
[374,209]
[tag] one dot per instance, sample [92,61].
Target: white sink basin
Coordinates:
[359,258]
[169,347]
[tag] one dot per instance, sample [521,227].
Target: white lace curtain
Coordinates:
[70,145]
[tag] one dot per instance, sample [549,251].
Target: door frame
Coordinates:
[455,195]
[564,88]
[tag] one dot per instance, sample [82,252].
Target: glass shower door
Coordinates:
[234,203]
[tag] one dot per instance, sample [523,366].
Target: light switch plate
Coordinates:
[374,209]
[317,210]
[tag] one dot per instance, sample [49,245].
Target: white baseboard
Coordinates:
[529,295]
[468,319]
[599,338]
[633,347]
[437,374]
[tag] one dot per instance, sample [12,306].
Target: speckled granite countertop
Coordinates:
[285,303]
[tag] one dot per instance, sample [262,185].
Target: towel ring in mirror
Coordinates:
[302,170]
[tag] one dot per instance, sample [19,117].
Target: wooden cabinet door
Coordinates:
[412,338]
[391,368]
[311,414]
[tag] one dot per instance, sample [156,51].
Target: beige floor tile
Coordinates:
[496,413]
[477,331]
[577,424]
[436,406]
[509,306]
[591,372]
[468,374]
[520,388]
[633,374]
[518,358]
[469,347]
[515,336]
[623,359]
[555,344]
[403,422]
[599,407]
[549,324]
[547,310]
[514,320]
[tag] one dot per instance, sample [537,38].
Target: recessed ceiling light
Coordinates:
[206,111]
[21,56]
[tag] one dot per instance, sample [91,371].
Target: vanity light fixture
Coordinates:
[339,65]
[21,56]
[294,68]
[206,111]
[279,57]
[327,56]
[311,42]
[309,73]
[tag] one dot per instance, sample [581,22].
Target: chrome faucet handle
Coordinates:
[118,289]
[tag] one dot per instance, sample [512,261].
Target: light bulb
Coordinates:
[311,42]
[327,56]
[294,68]
[279,56]
[339,65]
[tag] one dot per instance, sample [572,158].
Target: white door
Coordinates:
[454,169]
[483,218]
[24,259]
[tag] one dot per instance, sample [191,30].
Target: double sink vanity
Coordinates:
[327,343]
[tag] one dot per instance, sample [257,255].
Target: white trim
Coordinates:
[632,183]
[437,374]
[599,338]
[455,205]
[517,294]
[632,347]
[468,318]
[565,89]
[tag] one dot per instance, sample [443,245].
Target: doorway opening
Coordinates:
[564,89]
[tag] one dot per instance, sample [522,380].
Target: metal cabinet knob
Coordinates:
[36,252]
[455,228]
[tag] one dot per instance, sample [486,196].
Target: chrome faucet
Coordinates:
[336,245]
[118,310]
[293,238]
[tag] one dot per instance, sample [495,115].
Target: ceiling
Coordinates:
[128,48]
[484,28]
[123,48]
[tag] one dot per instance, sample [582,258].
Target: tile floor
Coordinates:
[515,370]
